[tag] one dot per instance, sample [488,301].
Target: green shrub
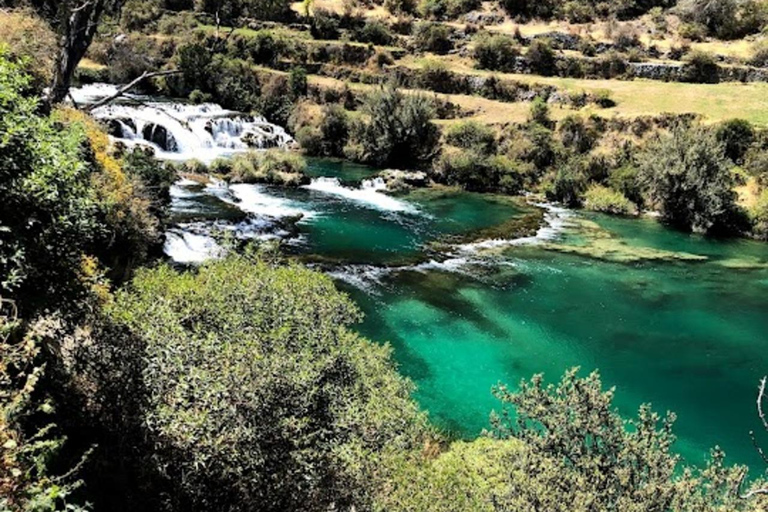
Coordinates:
[736,135]
[435,76]
[140,14]
[374,32]
[603,99]
[497,52]
[67,208]
[759,216]
[334,129]
[311,140]
[701,67]
[688,177]
[577,133]
[479,172]
[446,9]
[759,56]
[625,180]
[579,444]
[433,37]
[541,57]
[568,184]
[472,135]
[274,166]
[603,199]
[256,389]
[396,130]
[324,25]
[400,6]
[539,113]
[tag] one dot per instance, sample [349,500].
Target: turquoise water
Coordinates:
[687,336]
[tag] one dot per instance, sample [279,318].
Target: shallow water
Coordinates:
[689,336]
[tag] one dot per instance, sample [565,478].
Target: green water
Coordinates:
[687,336]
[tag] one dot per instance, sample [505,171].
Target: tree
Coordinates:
[76,22]
[397,130]
[255,390]
[687,176]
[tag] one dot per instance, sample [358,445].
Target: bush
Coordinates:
[433,37]
[539,113]
[495,52]
[400,7]
[625,180]
[274,166]
[736,135]
[374,32]
[334,129]
[569,184]
[396,130]
[541,57]
[759,56]
[446,9]
[603,99]
[688,177]
[140,14]
[726,19]
[472,135]
[579,444]
[435,76]
[324,25]
[479,172]
[67,207]
[603,199]
[256,390]
[701,67]
[577,134]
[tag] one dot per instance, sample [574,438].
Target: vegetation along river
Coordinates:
[669,318]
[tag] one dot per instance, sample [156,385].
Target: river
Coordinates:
[670,318]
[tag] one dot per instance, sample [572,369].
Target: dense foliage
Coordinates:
[688,176]
[251,387]
[397,130]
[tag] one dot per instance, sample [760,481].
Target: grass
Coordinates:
[714,102]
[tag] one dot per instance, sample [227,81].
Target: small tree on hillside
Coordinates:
[397,131]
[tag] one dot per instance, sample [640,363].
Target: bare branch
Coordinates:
[760,396]
[754,492]
[130,86]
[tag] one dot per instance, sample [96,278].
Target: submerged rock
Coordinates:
[601,244]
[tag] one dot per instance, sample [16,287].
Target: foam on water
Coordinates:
[371,194]
[254,199]
[188,247]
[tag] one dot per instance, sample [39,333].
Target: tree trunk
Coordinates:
[79,22]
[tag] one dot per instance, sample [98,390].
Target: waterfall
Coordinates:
[180,131]
[369,194]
